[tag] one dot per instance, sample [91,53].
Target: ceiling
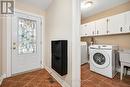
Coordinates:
[99,6]
[42,4]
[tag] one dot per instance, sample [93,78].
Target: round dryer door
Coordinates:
[100,59]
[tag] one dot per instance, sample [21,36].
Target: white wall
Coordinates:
[59,27]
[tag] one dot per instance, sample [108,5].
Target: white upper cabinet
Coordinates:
[85,30]
[127,22]
[101,27]
[116,24]
[88,30]
[82,30]
[91,28]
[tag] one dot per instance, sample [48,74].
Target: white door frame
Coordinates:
[76,58]
[6,42]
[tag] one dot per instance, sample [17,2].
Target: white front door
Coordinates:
[26,43]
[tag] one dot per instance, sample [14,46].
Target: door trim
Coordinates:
[6,42]
[76,56]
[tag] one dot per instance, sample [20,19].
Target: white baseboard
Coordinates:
[42,66]
[2,78]
[62,82]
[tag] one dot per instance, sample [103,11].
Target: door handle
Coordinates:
[14,46]
[121,28]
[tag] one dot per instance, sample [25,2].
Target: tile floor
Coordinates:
[40,78]
[91,79]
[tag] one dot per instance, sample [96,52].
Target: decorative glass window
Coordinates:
[26,36]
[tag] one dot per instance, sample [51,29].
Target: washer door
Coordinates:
[100,59]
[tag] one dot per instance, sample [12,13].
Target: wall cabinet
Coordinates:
[85,31]
[101,27]
[91,28]
[127,22]
[88,30]
[82,30]
[116,24]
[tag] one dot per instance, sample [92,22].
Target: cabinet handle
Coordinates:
[85,33]
[107,31]
[107,20]
[121,29]
[129,28]
[93,32]
[97,32]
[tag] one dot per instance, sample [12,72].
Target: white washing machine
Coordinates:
[103,59]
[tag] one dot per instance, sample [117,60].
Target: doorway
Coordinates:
[26,43]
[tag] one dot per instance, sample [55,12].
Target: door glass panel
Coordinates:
[99,58]
[26,36]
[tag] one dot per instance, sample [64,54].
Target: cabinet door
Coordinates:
[116,24]
[101,27]
[85,30]
[82,30]
[91,27]
[127,22]
[88,30]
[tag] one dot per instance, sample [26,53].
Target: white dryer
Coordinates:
[102,59]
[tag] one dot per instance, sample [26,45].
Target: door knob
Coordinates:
[14,48]
[121,28]
[14,45]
